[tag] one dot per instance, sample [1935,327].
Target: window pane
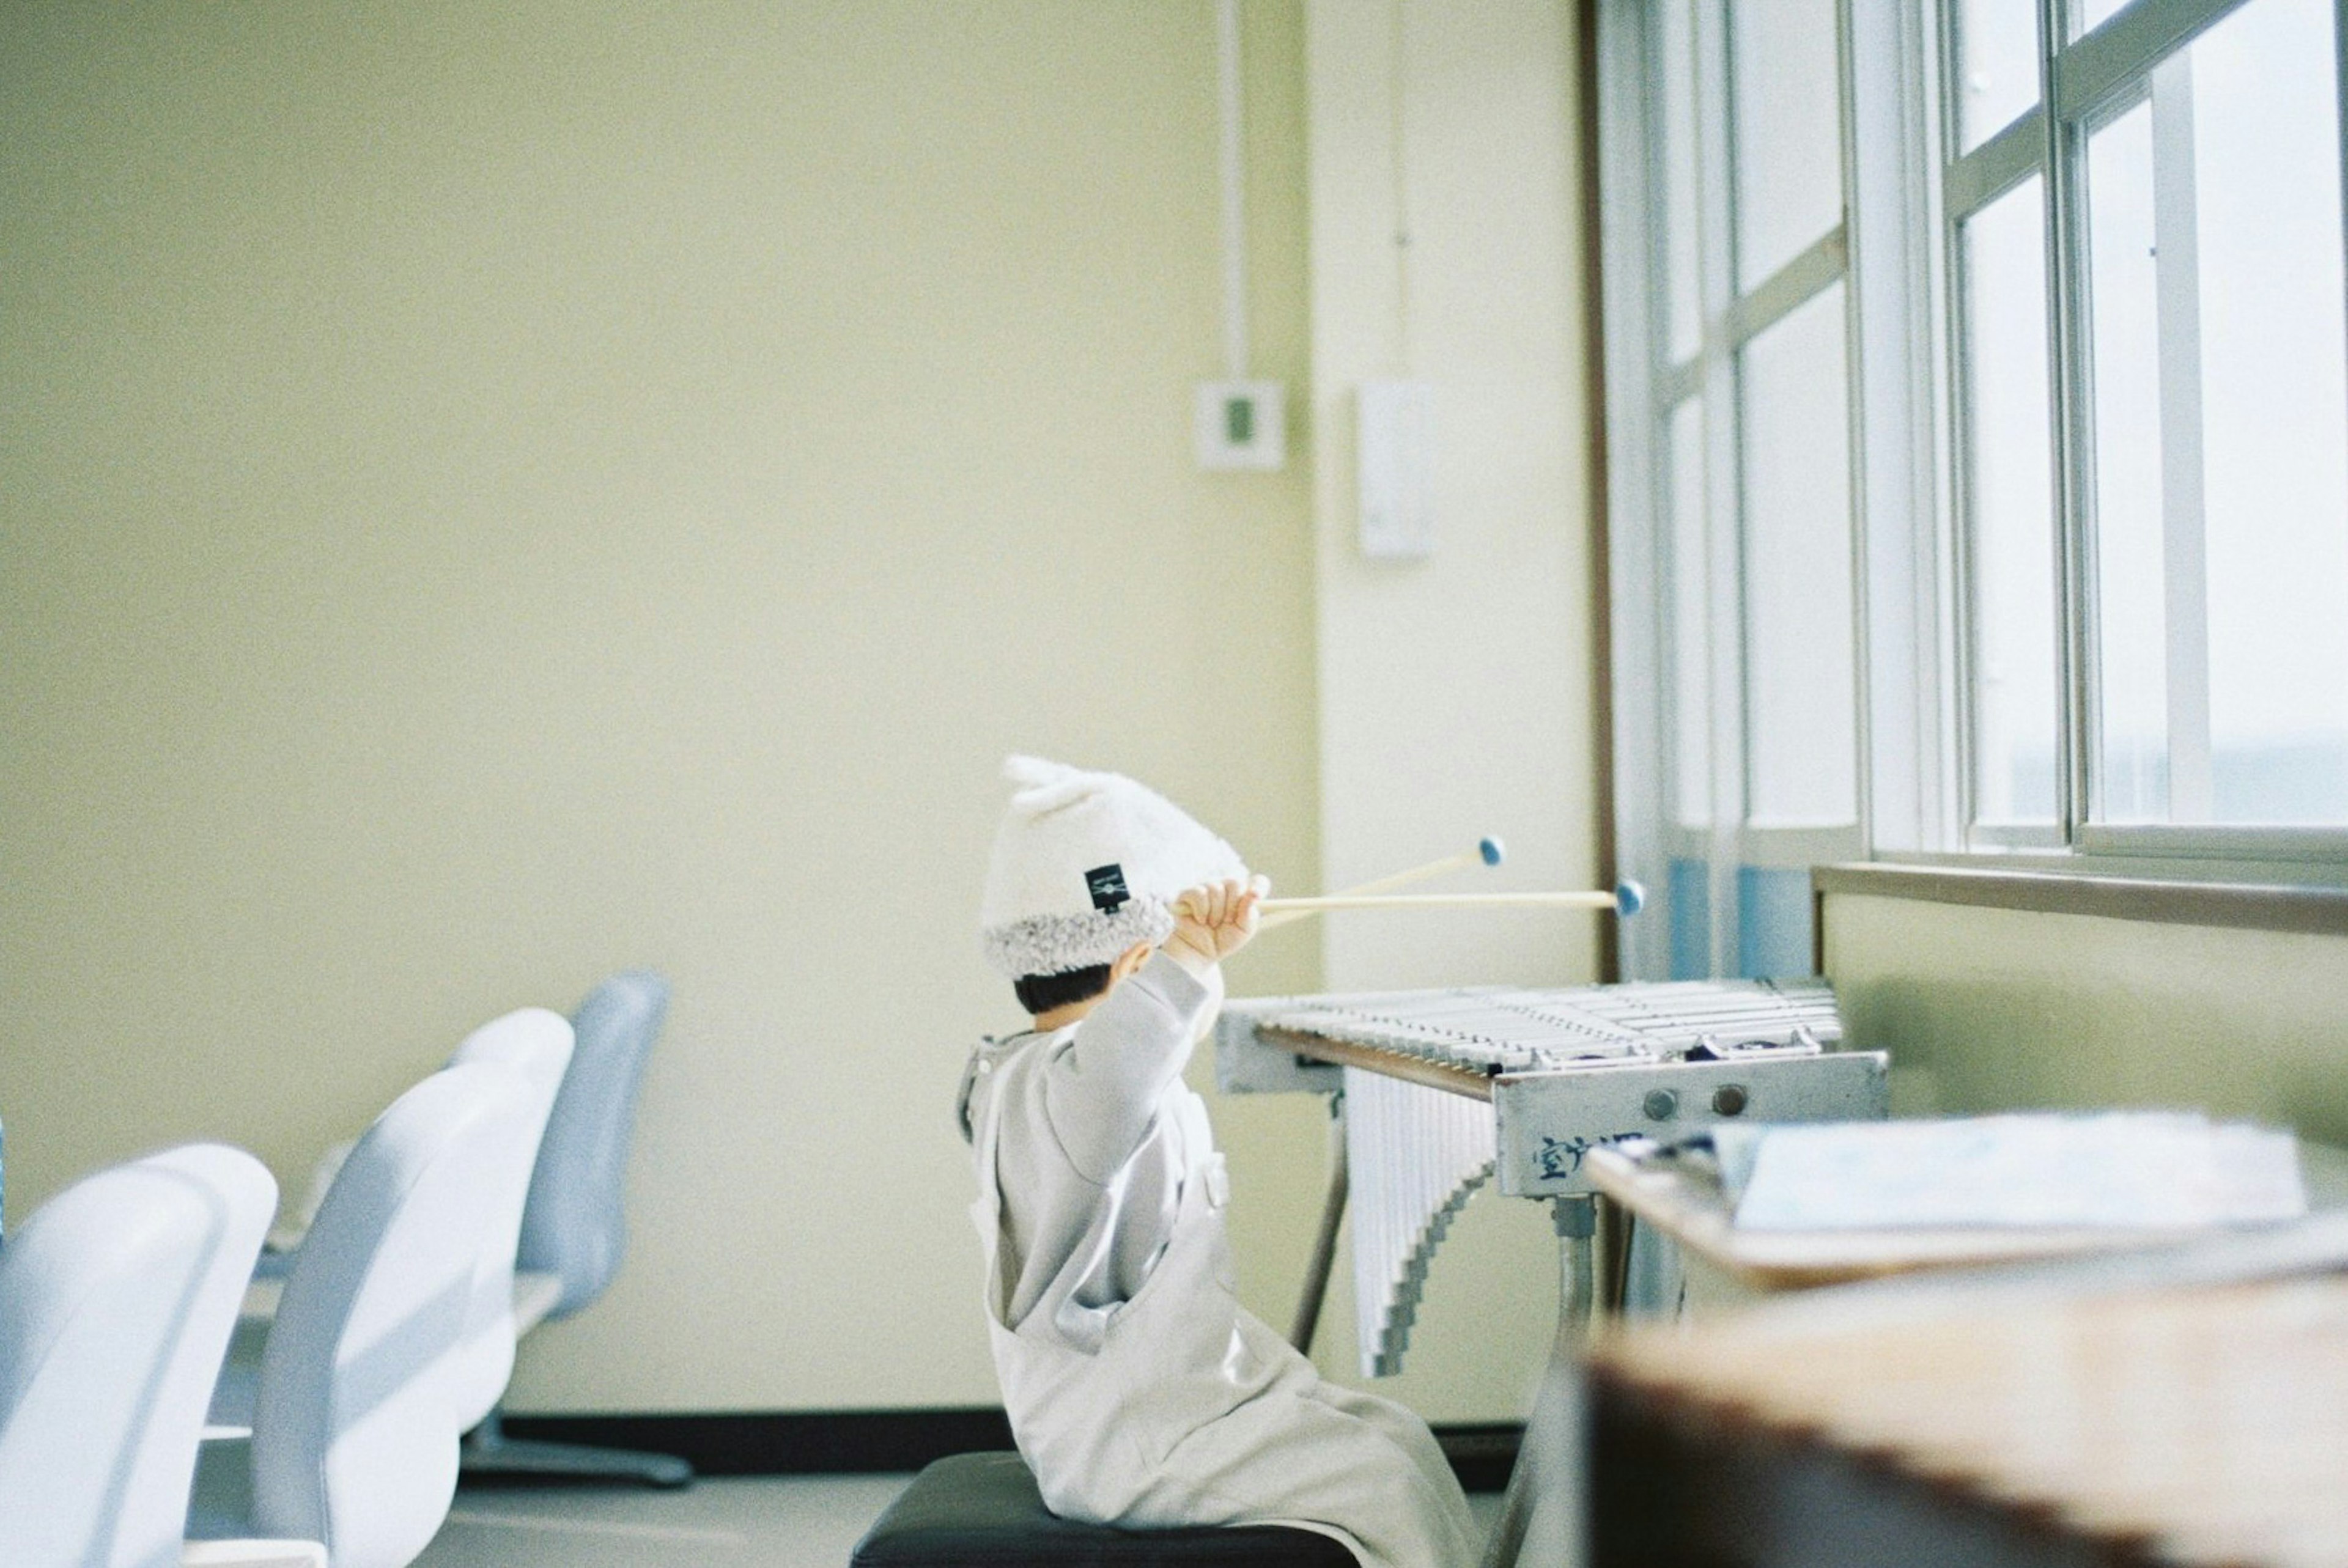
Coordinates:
[1801,697]
[2274,399]
[2010,479]
[1789,118]
[2125,350]
[1691,641]
[1997,66]
[2093,14]
[1683,298]
[2221,420]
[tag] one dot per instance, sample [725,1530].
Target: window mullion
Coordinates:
[2340,96]
[1789,288]
[1674,384]
[2184,555]
[1632,297]
[1964,699]
[1722,492]
[1995,167]
[2107,62]
[2074,432]
[1888,148]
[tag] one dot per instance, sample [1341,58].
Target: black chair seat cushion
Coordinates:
[982,1511]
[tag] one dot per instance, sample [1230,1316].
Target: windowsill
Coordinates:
[2262,906]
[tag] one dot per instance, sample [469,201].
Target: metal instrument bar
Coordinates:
[1417,1069]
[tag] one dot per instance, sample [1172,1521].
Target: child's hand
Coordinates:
[1214,920]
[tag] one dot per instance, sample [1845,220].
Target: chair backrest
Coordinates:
[355,1430]
[574,1225]
[536,1043]
[116,1301]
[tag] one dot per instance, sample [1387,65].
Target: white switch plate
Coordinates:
[1395,450]
[1242,425]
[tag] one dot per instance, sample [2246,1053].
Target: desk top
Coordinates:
[1689,1206]
[1691,1209]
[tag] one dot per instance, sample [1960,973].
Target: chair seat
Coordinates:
[982,1511]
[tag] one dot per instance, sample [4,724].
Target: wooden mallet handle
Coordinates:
[1487,852]
[1626,899]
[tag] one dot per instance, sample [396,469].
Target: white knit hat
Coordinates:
[1085,866]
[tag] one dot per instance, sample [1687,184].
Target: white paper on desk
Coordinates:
[2110,1171]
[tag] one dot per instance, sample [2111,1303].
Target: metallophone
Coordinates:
[1439,1091]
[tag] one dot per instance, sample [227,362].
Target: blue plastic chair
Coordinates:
[355,1423]
[574,1225]
[537,1044]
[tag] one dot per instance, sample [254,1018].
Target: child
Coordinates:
[1141,1395]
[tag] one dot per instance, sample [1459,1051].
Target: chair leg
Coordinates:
[488,1452]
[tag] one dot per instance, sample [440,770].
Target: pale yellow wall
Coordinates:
[1986,1009]
[1455,691]
[489,494]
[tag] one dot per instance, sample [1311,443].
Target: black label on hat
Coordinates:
[1107,885]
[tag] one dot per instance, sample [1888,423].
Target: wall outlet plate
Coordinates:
[1242,425]
[1394,469]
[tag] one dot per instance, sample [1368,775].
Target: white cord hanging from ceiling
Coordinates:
[1239,423]
[1234,177]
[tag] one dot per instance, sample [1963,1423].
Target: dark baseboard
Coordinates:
[815,1442]
[1481,1456]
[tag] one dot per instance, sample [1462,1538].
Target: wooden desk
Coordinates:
[1689,1206]
[2189,1408]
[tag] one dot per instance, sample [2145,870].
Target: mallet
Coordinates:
[1487,852]
[1627,899]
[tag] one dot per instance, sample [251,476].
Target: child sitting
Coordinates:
[1140,1394]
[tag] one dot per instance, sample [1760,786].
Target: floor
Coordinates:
[768,1521]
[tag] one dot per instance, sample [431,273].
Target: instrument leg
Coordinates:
[1577,1228]
[1324,1244]
[1614,1224]
[1539,1521]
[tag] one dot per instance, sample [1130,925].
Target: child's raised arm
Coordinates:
[1103,1095]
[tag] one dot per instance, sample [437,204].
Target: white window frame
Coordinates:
[1881,254]
[1908,190]
[2089,77]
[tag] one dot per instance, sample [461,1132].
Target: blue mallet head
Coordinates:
[1490,848]
[1629,897]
